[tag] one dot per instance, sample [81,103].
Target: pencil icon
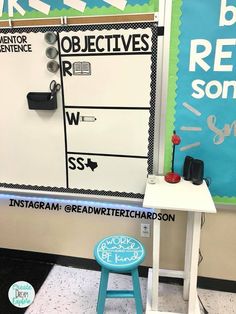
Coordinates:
[87,119]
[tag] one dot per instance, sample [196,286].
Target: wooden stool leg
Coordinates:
[137,291]
[102,291]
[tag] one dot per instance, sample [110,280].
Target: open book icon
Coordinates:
[82,68]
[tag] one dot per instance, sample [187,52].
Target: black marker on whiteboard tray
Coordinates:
[87,119]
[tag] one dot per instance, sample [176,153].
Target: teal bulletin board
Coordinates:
[202,91]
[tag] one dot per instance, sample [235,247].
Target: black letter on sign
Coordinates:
[80,163]
[144,39]
[72,119]
[64,39]
[71,161]
[66,67]
[76,43]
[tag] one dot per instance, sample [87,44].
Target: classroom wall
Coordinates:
[76,234]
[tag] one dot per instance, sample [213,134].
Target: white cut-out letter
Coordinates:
[224,9]
[40,6]
[198,86]
[197,57]
[221,54]
[1,7]
[13,4]
[76,4]
[119,4]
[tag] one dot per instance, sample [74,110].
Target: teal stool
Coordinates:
[119,254]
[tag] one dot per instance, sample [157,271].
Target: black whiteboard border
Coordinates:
[37,188]
[156,31]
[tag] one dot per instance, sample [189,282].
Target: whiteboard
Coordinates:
[99,141]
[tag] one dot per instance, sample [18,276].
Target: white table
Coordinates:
[182,196]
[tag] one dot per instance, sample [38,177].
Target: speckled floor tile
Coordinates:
[74,291]
[70,290]
[218,302]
